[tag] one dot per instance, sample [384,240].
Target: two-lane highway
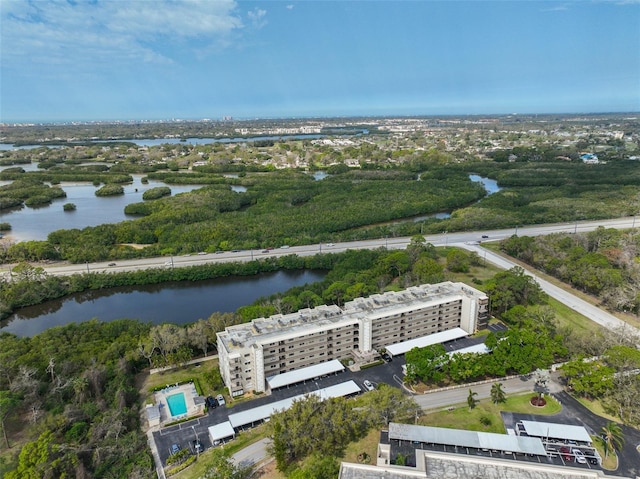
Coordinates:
[442,239]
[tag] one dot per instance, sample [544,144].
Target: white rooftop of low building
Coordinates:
[479,348]
[424,341]
[558,431]
[463,438]
[153,411]
[221,431]
[261,413]
[303,374]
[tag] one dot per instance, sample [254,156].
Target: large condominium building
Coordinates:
[252,352]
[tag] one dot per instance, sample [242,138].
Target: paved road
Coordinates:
[579,305]
[444,239]
[443,398]
[252,454]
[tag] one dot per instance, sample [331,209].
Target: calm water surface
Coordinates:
[490,185]
[36,223]
[178,303]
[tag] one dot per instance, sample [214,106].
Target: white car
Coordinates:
[368,385]
[220,399]
[330,245]
[579,455]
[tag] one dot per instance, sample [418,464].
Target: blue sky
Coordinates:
[162,59]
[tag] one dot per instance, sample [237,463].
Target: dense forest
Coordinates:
[602,262]
[290,207]
[69,393]
[68,402]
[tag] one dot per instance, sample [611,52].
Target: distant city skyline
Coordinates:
[189,59]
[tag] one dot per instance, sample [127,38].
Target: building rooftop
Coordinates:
[556,431]
[303,374]
[424,341]
[463,438]
[279,327]
[439,465]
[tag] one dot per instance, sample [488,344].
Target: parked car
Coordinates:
[175,448]
[197,446]
[112,264]
[565,453]
[579,455]
[220,399]
[211,402]
[385,357]
[368,385]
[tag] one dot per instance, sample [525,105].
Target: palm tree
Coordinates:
[497,393]
[612,437]
[471,399]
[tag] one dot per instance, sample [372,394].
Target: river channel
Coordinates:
[177,302]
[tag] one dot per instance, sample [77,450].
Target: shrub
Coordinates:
[110,190]
[155,193]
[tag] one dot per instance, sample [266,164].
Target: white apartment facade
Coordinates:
[252,352]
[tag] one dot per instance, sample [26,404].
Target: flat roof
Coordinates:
[302,374]
[261,413]
[424,341]
[463,438]
[558,431]
[262,331]
[480,348]
[221,431]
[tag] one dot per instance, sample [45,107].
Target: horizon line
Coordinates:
[231,118]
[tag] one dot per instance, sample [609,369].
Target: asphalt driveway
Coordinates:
[575,413]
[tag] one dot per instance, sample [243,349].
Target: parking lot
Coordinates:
[197,429]
[185,433]
[560,451]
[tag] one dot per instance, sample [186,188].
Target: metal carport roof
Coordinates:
[463,438]
[261,413]
[221,431]
[424,341]
[303,374]
[557,431]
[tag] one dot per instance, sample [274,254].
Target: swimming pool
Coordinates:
[177,404]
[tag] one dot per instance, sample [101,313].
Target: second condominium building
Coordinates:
[265,347]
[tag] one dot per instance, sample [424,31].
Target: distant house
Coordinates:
[589,158]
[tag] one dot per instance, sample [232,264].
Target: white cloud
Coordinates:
[62,32]
[289,7]
[257,16]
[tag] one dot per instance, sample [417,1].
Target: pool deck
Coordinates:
[190,394]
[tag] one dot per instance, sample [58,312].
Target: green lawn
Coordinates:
[611,461]
[486,415]
[567,317]
[595,406]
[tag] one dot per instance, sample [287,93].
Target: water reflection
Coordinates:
[91,210]
[490,185]
[178,302]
